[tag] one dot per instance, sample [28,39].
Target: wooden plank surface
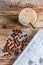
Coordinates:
[11,21]
[4,35]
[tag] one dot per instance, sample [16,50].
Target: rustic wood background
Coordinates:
[9,12]
[11,21]
[9,18]
[4,35]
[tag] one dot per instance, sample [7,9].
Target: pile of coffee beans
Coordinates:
[16,43]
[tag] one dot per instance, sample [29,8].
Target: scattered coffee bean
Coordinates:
[17,46]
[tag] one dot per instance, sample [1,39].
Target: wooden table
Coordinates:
[9,20]
[4,35]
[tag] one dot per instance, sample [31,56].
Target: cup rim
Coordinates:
[28,25]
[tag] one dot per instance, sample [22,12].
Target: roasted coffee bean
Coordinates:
[13,30]
[17,46]
[19,37]
[10,45]
[20,31]
[17,30]
[12,35]
[16,53]
[25,35]
[10,39]
[21,48]
[4,50]
[16,38]
[9,53]
[13,49]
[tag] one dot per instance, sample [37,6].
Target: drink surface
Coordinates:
[27,16]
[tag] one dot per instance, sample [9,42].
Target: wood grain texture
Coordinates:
[4,35]
[9,11]
[11,21]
